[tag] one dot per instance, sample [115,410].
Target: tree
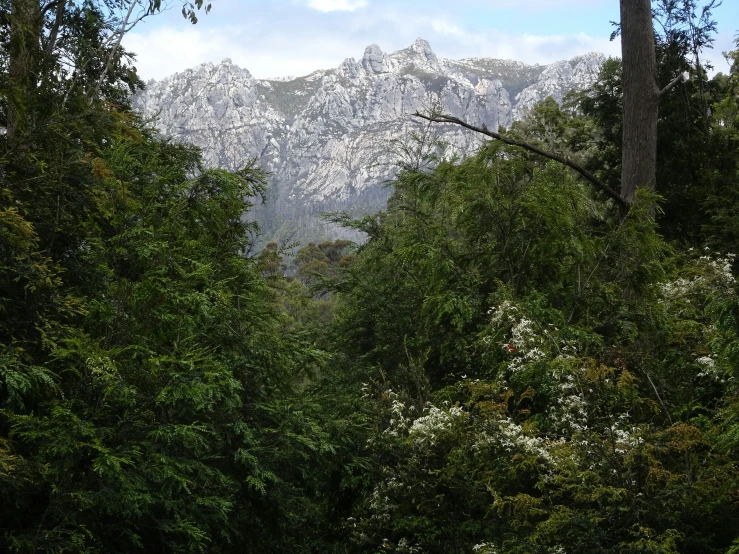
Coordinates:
[640,110]
[641,98]
[61,45]
[695,159]
[147,379]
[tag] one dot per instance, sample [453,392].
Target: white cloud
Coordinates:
[724,43]
[337,5]
[163,51]
[273,38]
[451,40]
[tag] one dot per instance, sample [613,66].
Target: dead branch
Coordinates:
[58,19]
[682,78]
[114,50]
[531,148]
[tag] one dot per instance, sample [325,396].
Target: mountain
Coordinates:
[332,139]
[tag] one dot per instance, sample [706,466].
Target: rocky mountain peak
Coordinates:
[422,45]
[375,61]
[331,139]
[350,69]
[425,55]
[418,55]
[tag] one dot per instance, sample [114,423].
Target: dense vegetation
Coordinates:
[509,364]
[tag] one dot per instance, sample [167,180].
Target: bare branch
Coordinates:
[682,78]
[113,51]
[531,148]
[50,5]
[58,18]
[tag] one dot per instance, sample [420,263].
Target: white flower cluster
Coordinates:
[485,548]
[679,288]
[713,278]
[426,428]
[501,313]
[526,344]
[624,439]
[510,436]
[514,437]
[381,499]
[721,268]
[710,370]
[708,364]
[380,504]
[570,412]
[713,274]
[399,422]
[405,546]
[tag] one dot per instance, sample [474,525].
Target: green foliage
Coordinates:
[153,419]
[149,385]
[543,378]
[454,239]
[504,366]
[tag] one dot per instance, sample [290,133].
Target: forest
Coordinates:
[536,350]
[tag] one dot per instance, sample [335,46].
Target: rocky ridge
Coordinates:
[332,139]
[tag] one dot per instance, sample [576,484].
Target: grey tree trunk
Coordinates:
[641,98]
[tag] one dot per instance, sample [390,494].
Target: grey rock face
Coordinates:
[557,80]
[331,139]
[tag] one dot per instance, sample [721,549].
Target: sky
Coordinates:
[274,38]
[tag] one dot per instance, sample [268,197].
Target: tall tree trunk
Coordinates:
[641,98]
[24,52]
